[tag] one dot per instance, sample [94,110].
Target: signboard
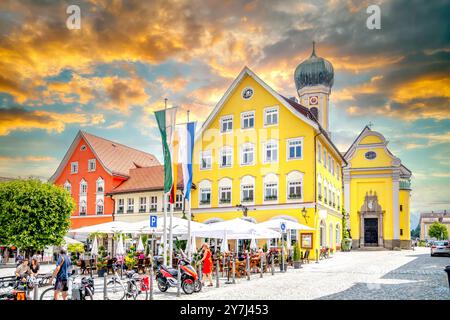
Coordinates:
[283,227]
[153,221]
[307,240]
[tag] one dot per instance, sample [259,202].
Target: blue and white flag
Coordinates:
[186,134]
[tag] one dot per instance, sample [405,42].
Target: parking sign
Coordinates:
[153,222]
[283,227]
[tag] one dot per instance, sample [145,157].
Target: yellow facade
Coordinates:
[306,168]
[376,186]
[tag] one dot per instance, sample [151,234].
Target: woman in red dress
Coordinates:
[207,264]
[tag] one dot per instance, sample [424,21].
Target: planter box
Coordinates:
[297,264]
[346,244]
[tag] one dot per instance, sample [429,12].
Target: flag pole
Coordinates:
[189,213]
[165,212]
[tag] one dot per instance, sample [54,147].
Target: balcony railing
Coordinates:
[99,212]
[141,210]
[130,211]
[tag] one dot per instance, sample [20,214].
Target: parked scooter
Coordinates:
[167,277]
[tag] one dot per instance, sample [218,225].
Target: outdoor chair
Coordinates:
[305,257]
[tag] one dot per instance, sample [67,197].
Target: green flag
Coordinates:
[166,124]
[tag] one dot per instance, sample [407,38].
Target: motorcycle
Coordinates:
[167,277]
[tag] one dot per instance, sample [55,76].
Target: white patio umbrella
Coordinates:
[193,245]
[94,250]
[68,240]
[253,244]
[107,227]
[224,244]
[140,247]
[290,225]
[120,250]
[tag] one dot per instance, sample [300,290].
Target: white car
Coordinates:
[440,247]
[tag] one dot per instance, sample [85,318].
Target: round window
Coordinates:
[370,155]
[247,93]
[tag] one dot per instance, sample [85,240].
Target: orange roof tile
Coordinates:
[146,179]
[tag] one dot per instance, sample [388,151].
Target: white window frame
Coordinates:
[72,166]
[207,154]
[203,190]
[266,144]
[92,161]
[248,187]
[288,146]
[83,183]
[142,204]
[273,186]
[130,204]
[324,158]
[227,189]
[228,118]
[319,152]
[120,203]
[289,182]
[247,145]
[153,203]
[97,183]
[68,187]
[100,201]
[272,111]
[82,212]
[245,115]
[329,163]
[228,152]
[332,167]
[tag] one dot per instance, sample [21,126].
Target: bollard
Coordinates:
[151,281]
[178,280]
[261,274]
[272,262]
[317,255]
[282,260]
[35,292]
[105,291]
[248,267]
[223,264]
[217,272]
[234,269]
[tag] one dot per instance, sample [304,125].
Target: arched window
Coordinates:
[247,189]
[225,191]
[270,187]
[294,188]
[338,234]
[100,206]
[205,193]
[323,234]
[83,208]
[83,187]
[331,235]
[68,187]
[100,185]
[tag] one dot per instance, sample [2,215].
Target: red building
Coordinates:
[91,168]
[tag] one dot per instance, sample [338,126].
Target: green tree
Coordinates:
[415,233]
[33,214]
[438,230]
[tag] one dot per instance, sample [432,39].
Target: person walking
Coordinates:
[207,264]
[61,274]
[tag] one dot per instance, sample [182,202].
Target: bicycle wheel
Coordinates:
[48,294]
[141,291]
[88,294]
[115,290]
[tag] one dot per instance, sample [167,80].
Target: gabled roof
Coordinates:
[146,179]
[302,112]
[117,159]
[366,128]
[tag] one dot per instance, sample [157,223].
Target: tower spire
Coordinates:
[313,54]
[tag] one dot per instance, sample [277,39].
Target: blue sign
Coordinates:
[283,227]
[153,221]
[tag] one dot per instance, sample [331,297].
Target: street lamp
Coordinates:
[304,214]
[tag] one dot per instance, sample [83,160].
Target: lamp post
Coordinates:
[304,214]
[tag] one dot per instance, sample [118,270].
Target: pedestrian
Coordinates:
[61,274]
[34,267]
[207,264]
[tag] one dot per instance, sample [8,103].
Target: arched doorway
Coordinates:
[371,222]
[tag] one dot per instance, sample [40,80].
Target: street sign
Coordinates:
[153,222]
[283,227]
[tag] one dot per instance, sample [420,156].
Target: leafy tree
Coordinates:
[438,230]
[416,232]
[33,214]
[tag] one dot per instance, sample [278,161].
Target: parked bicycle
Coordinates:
[134,286]
[83,290]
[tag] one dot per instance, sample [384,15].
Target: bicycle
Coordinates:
[77,291]
[134,287]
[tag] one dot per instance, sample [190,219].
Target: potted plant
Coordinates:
[130,262]
[101,266]
[297,258]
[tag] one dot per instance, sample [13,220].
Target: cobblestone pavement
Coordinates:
[347,275]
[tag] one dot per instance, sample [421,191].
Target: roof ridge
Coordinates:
[117,143]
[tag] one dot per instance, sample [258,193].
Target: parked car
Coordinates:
[440,247]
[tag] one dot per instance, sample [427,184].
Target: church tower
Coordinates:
[313,80]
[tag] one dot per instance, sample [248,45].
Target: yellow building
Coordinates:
[377,193]
[261,155]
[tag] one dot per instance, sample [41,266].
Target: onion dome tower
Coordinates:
[313,79]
